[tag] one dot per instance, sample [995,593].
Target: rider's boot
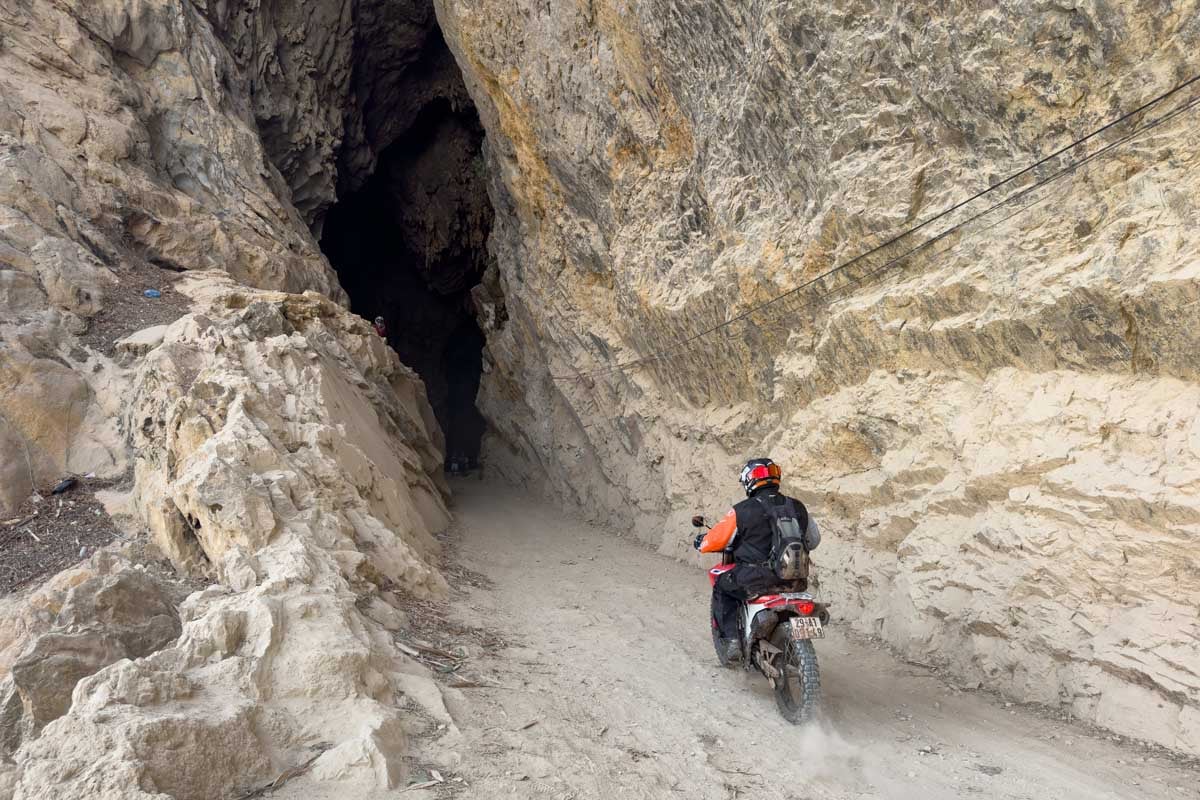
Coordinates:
[732,651]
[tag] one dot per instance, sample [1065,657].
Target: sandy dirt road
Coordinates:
[611,691]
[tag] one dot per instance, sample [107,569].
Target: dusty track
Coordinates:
[612,662]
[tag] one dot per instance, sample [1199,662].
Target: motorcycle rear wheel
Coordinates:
[798,690]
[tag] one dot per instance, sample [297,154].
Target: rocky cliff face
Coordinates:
[279,443]
[1000,433]
[331,85]
[124,158]
[267,443]
[282,451]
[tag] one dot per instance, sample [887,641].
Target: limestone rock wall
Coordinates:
[1000,437]
[281,449]
[272,447]
[124,158]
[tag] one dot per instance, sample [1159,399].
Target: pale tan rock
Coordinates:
[28,614]
[371,760]
[20,292]
[997,438]
[54,420]
[103,619]
[277,446]
[273,453]
[138,344]
[43,403]
[386,615]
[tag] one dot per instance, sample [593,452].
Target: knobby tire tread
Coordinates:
[800,656]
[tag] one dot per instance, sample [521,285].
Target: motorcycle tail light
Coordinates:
[805,607]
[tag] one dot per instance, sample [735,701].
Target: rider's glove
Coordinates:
[696,542]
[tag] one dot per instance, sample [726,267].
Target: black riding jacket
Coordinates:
[752,543]
[746,530]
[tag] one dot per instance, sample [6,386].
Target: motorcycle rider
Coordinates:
[746,531]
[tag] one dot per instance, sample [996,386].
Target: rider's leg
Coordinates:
[725,620]
[725,600]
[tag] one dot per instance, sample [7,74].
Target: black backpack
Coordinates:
[789,557]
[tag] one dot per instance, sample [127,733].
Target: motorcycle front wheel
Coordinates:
[798,690]
[718,644]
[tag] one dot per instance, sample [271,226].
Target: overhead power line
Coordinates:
[686,342]
[1070,168]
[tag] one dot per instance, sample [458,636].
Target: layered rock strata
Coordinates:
[999,432]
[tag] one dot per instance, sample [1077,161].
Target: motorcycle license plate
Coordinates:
[807,628]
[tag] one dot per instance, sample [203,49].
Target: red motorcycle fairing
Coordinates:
[718,571]
[768,634]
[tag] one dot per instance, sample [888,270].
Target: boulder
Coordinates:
[104,620]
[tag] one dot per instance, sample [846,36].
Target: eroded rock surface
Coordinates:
[333,84]
[104,619]
[123,158]
[1001,436]
[275,446]
[282,449]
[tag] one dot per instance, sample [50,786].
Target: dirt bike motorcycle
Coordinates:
[777,634]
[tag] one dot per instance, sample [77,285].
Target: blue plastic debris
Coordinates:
[152,293]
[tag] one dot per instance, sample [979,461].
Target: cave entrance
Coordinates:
[410,244]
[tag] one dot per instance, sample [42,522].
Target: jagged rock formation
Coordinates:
[104,620]
[1001,437]
[276,447]
[331,85]
[281,448]
[124,155]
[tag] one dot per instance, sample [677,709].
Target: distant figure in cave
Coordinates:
[380,327]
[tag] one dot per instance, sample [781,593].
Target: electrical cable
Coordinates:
[742,316]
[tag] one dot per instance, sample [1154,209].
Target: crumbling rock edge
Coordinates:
[280,447]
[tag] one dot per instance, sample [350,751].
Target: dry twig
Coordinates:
[285,776]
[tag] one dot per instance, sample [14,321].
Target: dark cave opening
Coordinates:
[410,244]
